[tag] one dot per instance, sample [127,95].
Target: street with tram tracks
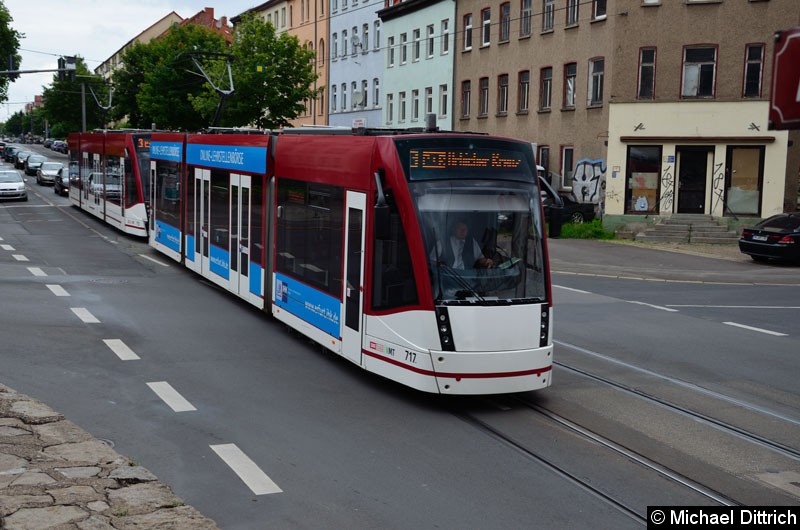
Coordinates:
[674,384]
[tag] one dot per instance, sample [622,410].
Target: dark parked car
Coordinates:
[9,152]
[12,186]
[571,211]
[61,182]
[60,146]
[33,163]
[20,158]
[777,237]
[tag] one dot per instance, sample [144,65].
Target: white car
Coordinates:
[12,186]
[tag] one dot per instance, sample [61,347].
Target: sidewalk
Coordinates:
[53,474]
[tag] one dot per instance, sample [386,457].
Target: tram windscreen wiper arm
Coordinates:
[460,280]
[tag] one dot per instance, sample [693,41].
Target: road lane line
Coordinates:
[7,247]
[121,350]
[57,290]
[768,332]
[153,260]
[171,397]
[85,315]
[36,271]
[19,257]
[653,306]
[255,479]
[571,289]
[737,306]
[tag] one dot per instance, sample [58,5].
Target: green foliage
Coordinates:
[9,45]
[592,230]
[63,101]
[273,97]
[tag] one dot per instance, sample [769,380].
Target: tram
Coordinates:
[106,170]
[344,237]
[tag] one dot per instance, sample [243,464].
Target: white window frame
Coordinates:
[415,105]
[390,52]
[486,27]
[428,100]
[573,12]
[430,40]
[415,46]
[596,79]
[525,18]
[523,91]
[403,48]
[467,21]
[445,42]
[548,15]
[694,72]
[444,106]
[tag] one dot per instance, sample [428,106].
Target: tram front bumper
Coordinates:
[493,372]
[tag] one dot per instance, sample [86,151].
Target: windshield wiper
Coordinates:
[459,279]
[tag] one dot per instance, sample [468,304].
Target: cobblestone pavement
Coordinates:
[53,474]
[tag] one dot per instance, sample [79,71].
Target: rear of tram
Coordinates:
[478,197]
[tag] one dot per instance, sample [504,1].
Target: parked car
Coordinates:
[61,182]
[20,158]
[12,186]
[32,164]
[9,152]
[774,238]
[60,146]
[47,172]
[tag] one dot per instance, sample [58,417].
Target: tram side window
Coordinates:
[309,238]
[392,270]
[256,221]
[168,192]
[131,189]
[113,184]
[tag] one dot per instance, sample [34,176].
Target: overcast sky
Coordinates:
[93,29]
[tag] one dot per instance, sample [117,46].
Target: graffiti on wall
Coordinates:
[718,180]
[589,181]
[667,189]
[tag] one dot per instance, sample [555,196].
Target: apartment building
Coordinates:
[356,63]
[418,62]
[643,107]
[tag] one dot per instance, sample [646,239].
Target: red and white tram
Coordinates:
[350,239]
[106,170]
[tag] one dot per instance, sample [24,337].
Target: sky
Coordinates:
[93,29]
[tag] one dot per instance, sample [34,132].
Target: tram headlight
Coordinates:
[443,329]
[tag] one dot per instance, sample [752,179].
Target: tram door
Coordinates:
[353,307]
[197,259]
[240,235]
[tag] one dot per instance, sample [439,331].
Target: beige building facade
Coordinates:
[645,108]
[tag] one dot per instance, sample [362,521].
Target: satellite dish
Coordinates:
[358,97]
[355,41]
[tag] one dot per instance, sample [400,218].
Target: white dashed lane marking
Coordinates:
[19,257]
[85,315]
[7,247]
[751,328]
[255,479]
[57,290]
[171,397]
[36,271]
[121,350]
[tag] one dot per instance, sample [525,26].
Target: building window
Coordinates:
[364,93]
[524,91]
[403,48]
[572,12]
[486,27]
[467,32]
[443,101]
[389,108]
[752,70]
[365,38]
[344,97]
[376,32]
[548,15]
[414,105]
[647,74]
[390,51]
[502,94]
[543,159]
[335,47]
[356,42]
[430,41]
[699,70]
[466,94]
[505,21]
[546,88]
[598,9]
[483,108]
[596,74]
[354,94]
[428,100]
[402,104]
[570,73]
[416,46]
[376,91]
[643,175]
[333,98]
[344,44]
[445,44]
[525,15]
[566,165]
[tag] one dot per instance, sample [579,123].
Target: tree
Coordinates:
[63,102]
[9,47]
[269,98]
[158,82]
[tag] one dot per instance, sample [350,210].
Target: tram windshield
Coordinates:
[478,207]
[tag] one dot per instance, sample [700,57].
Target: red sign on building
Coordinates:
[784,108]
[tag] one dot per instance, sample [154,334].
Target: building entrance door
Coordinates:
[694,164]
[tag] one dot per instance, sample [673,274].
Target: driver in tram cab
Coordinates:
[461,250]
